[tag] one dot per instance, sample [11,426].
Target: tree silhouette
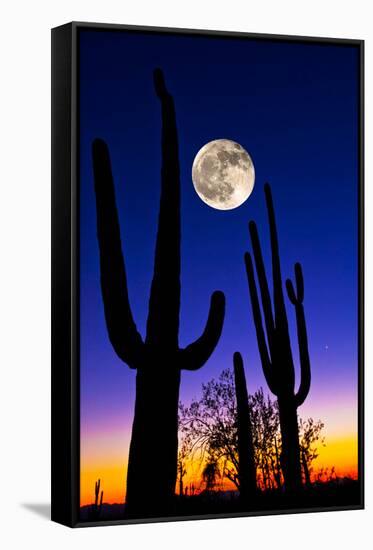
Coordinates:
[158,360]
[310,437]
[209,434]
[210,474]
[215,432]
[266,440]
[209,426]
[275,348]
[184,450]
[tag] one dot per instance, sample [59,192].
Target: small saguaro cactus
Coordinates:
[96,508]
[246,460]
[275,347]
[158,359]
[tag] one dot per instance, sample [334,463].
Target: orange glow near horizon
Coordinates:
[340,452]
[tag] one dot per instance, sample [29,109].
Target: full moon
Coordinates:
[223,174]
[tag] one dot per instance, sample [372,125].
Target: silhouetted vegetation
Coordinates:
[256,445]
[210,474]
[275,347]
[310,439]
[157,359]
[209,437]
[208,427]
[267,440]
[332,492]
[210,433]
[181,466]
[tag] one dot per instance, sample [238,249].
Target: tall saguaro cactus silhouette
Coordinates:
[152,464]
[275,347]
[246,461]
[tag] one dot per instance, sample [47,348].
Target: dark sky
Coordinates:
[294,108]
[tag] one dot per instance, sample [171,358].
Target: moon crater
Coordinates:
[223,174]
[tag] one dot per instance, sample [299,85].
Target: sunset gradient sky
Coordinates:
[294,107]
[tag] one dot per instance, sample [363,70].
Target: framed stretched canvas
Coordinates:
[207,274]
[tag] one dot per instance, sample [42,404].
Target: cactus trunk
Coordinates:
[158,359]
[152,463]
[246,462]
[290,456]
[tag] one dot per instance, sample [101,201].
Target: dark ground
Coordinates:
[332,494]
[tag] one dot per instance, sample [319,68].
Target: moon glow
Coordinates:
[223,174]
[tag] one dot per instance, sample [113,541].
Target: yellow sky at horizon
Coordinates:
[340,452]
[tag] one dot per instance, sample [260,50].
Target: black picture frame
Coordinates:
[65,266]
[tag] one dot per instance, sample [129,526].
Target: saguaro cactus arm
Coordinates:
[98,504]
[196,354]
[296,299]
[278,295]
[276,323]
[262,345]
[263,283]
[240,382]
[170,155]
[164,303]
[97,490]
[122,329]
